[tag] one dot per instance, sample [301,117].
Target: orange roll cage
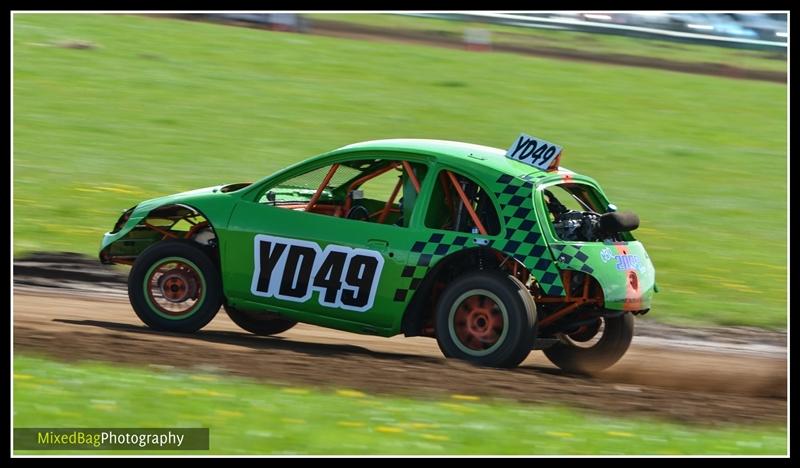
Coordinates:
[348,202]
[322,186]
[466,203]
[411,175]
[311,206]
[384,212]
[572,302]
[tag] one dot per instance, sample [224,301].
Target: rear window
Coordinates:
[574,211]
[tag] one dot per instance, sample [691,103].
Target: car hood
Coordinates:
[182,197]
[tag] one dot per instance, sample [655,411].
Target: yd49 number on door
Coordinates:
[292,269]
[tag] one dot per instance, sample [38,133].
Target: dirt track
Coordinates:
[455,41]
[669,382]
[439,39]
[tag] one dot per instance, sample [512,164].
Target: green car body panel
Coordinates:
[407,253]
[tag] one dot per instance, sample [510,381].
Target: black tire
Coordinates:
[616,337]
[512,302]
[193,275]
[259,323]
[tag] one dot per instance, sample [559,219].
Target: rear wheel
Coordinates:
[259,323]
[174,286]
[486,317]
[593,348]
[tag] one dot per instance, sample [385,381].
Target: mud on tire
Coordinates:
[486,317]
[174,286]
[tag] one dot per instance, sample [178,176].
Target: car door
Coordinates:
[316,264]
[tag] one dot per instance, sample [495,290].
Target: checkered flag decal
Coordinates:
[424,254]
[523,239]
[572,257]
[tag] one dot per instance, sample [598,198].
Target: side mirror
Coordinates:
[271,196]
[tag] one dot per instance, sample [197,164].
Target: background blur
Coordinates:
[110,110]
[682,118]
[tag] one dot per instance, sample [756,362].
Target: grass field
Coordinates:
[574,40]
[245,417]
[160,106]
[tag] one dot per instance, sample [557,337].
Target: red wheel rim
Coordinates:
[478,322]
[174,288]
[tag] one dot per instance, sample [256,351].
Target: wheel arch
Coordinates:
[130,241]
[422,305]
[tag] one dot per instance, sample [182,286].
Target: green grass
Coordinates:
[162,106]
[245,417]
[774,60]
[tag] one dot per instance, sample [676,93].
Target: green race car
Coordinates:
[494,253]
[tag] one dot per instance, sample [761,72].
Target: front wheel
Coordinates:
[174,286]
[259,323]
[589,353]
[486,317]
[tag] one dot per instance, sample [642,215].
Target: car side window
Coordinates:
[558,201]
[458,203]
[371,190]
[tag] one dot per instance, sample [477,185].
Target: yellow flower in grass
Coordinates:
[204,378]
[119,190]
[418,425]
[388,429]
[350,393]
[466,397]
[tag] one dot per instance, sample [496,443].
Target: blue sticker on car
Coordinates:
[624,262]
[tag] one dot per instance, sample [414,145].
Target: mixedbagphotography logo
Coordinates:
[110,439]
